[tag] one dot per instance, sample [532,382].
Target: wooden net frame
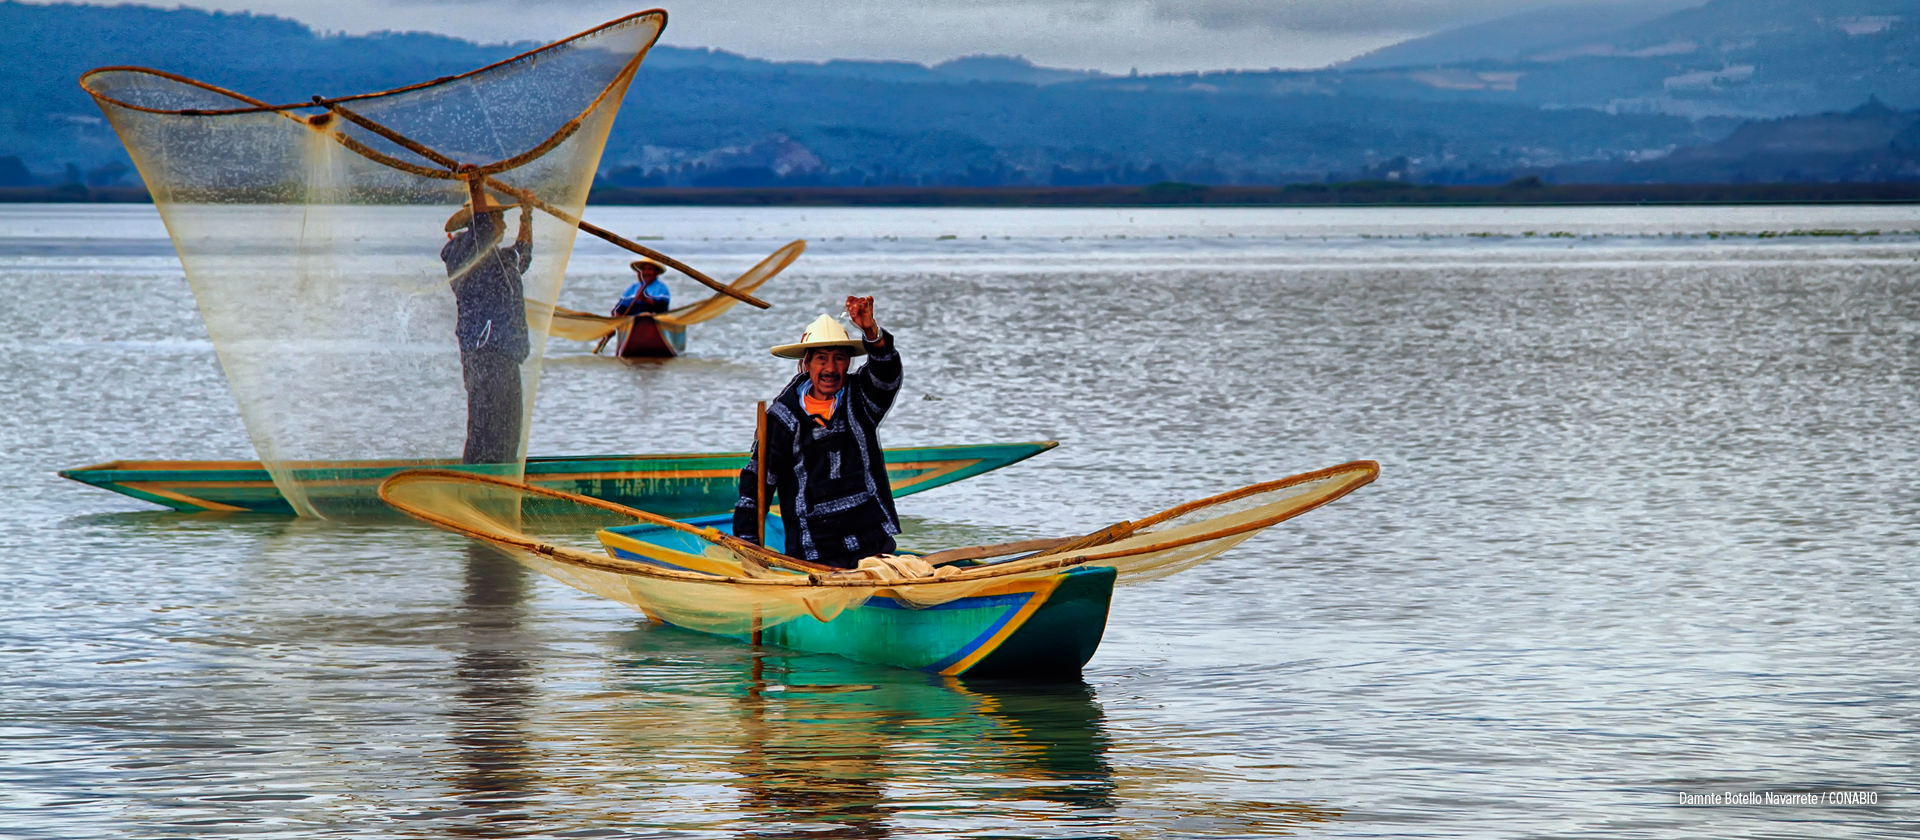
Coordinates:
[310,233]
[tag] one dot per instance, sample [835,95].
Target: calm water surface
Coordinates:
[1646,527]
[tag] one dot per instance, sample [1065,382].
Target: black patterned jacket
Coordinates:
[830,481]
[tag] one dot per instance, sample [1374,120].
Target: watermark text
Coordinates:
[1782,798]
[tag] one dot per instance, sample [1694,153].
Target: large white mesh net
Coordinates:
[356,317]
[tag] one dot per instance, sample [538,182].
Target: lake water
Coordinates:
[1646,530]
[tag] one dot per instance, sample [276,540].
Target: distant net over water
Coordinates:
[587,326]
[360,307]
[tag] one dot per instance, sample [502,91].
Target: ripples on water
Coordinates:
[1645,526]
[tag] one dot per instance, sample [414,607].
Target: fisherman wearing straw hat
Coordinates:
[492,322]
[823,448]
[648,296]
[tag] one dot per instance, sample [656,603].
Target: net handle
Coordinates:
[1122,530]
[484,175]
[532,200]
[1371,469]
[649,518]
[982,552]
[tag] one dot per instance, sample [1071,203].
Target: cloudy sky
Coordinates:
[1110,35]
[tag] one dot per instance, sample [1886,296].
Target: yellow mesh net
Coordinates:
[360,313]
[706,580]
[575,325]
[746,283]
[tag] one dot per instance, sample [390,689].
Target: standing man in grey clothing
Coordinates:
[492,322]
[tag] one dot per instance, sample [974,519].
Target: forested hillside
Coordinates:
[699,117]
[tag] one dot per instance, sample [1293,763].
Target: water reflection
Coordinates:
[824,747]
[1059,732]
[1649,527]
[808,767]
[495,690]
[639,729]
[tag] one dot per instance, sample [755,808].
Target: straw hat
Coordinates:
[636,265]
[464,216]
[823,332]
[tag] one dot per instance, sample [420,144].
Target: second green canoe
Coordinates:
[676,486]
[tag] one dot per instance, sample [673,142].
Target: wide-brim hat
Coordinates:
[464,216]
[636,265]
[823,332]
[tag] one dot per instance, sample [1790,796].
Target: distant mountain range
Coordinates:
[1517,37]
[1648,89]
[1732,58]
[1869,143]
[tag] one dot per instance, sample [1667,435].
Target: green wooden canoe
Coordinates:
[1045,628]
[678,486]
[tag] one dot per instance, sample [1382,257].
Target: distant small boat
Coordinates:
[676,485]
[650,337]
[663,335]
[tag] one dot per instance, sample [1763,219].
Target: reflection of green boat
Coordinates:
[1047,626]
[671,485]
[808,744]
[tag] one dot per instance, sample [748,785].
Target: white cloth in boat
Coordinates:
[894,567]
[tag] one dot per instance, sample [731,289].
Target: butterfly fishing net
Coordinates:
[705,580]
[364,263]
[575,325]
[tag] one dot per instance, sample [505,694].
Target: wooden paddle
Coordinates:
[760,478]
[759,492]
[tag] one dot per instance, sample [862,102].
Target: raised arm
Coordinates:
[523,243]
[880,378]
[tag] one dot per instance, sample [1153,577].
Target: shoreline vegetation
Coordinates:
[1521,192]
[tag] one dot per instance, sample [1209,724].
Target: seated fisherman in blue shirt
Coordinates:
[646,297]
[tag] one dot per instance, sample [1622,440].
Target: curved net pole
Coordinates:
[447,499]
[753,278]
[630,245]
[457,169]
